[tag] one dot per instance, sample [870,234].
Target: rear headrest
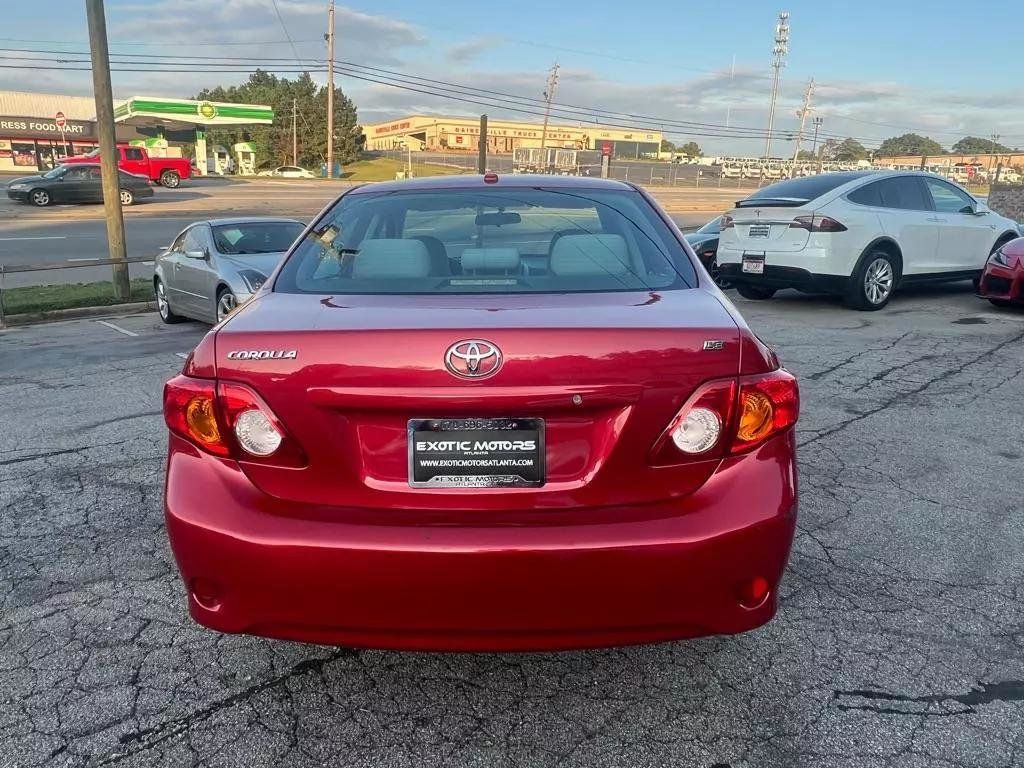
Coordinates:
[391,258]
[490,259]
[589,255]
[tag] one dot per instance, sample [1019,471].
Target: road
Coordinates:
[77,234]
[899,642]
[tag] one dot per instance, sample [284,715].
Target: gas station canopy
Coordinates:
[184,114]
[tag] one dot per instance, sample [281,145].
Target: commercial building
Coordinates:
[439,133]
[33,138]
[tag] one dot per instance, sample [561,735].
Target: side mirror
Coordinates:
[196,255]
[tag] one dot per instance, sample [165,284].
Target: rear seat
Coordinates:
[490,261]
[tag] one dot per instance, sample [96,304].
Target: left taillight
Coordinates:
[230,420]
[816,223]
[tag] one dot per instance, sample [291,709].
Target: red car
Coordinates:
[482,413]
[1002,282]
[168,171]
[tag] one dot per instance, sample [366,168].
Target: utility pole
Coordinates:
[295,135]
[481,147]
[778,62]
[108,145]
[814,147]
[549,96]
[995,138]
[802,114]
[330,90]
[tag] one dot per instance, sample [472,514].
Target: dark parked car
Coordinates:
[75,184]
[705,243]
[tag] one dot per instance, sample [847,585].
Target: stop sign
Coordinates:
[60,120]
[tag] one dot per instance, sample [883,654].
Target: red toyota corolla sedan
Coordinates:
[1002,282]
[482,413]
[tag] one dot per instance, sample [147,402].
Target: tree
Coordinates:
[274,142]
[909,144]
[850,150]
[972,145]
[667,146]
[691,149]
[806,154]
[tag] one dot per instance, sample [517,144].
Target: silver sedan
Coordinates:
[213,266]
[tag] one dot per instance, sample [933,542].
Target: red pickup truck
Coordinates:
[169,171]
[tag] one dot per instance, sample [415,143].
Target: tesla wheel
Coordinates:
[716,275]
[39,197]
[226,303]
[127,197]
[163,306]
[170,179]
[873,282]
[755,292]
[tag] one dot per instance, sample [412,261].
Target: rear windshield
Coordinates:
[796,192]
[462,241]
[256,237]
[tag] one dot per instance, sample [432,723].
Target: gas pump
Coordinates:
[245,151]
[220,161]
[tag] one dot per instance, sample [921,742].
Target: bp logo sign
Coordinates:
[206,110]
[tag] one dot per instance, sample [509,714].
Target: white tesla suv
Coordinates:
[860,234]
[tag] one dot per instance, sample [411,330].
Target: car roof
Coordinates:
[227,222]
[476,181]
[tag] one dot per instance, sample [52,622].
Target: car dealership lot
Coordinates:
[899,639]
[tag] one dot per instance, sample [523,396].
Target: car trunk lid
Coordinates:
[604,372]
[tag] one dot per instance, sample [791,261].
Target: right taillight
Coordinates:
[815,223]
[768,404]
[729,416]
[228,420]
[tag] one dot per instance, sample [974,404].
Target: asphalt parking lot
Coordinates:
[900,639]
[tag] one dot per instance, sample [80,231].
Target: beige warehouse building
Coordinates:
[438,133]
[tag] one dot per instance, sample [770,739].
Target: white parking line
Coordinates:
[94,258]
[47,237]
[182,355]
[117,328]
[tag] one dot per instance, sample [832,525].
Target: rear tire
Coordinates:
[170,179]
[755,292]
[163,306]
[999,302]
[873,282]
[40,198]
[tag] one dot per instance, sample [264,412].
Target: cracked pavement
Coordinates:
[899,641]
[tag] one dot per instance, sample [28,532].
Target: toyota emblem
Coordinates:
[472,359]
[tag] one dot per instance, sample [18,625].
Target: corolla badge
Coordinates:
[263,354]
[472,359]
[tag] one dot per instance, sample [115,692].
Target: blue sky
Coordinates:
[883,68]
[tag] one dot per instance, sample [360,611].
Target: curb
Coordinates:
[55,315]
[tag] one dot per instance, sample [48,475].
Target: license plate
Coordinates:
[476,453]
[753,265]
[759,230]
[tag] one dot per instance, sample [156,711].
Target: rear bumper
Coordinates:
[785,277]
[1002,283]
[258,565]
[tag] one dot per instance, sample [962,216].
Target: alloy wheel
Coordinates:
[41,197]
[162,306]
[126,197]
[878,280]
[225,305]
